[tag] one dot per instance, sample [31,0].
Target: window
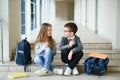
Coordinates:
[33,14]
[40,12]
[22,16]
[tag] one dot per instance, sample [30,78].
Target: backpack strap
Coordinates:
[25,67]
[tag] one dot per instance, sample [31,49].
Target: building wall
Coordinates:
[61,10]
[70,11]
[83,12]
[4,14]
[64,10]
[52,11]
[91,15]
[11,26]
[102,16]
[107,19]
[77,11]
[116,43]
[14,25]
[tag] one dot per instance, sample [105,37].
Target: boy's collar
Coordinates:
[71,37]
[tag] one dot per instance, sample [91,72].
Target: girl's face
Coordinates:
[49,31]
[67,32]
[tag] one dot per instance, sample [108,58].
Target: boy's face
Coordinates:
[68,33]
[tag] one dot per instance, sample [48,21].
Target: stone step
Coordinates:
[12,67]
[111,54]
[102,46]
[112,66]
[112,62]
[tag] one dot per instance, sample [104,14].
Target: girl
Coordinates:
[45,50]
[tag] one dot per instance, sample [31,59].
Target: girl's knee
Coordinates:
[37,60]
[48,49]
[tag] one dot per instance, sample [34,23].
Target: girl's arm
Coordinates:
[39,48]
[54,48]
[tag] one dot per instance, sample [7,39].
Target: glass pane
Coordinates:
[32,27]
[40,2]
[22,6]
[34,8]
[33,14]
[33,1]
[32,18]
[35,20]
[22,18]
[23,29]
[31,8]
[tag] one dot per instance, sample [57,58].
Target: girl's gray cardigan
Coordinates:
[39,48]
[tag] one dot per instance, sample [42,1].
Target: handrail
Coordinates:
[1,28]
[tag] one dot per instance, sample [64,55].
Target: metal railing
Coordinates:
[1,41]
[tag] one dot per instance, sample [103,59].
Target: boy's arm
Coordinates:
[63,44]
[79,47]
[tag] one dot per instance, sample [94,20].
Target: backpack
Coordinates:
[23,53]
[95,66]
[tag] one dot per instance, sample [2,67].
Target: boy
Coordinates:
[71,48]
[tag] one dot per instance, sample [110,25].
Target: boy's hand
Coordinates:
[72,42]
[70,55]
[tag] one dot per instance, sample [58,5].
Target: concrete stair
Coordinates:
[105,48]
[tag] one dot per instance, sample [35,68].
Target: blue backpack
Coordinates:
[23,53]
[95,66]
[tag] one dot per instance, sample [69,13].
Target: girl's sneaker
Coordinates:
[42,72]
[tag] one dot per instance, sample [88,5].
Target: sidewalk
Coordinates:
[81,76]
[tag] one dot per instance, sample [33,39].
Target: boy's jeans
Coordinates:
[75,58]
[44,59]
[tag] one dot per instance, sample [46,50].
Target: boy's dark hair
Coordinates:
[72,26]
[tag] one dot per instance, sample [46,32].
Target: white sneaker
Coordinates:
[75,71]
[67,71]
[41,72]
[58,71]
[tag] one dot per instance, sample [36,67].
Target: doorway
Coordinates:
[64,10]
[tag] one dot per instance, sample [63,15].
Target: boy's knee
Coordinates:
[80,54]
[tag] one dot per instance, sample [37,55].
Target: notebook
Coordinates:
[98,55]
[17,75]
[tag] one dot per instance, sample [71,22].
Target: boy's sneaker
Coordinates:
[42,72]
[58,71]
[67,71]
[75,71]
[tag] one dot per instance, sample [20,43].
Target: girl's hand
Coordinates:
[70,55]
[46,44]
